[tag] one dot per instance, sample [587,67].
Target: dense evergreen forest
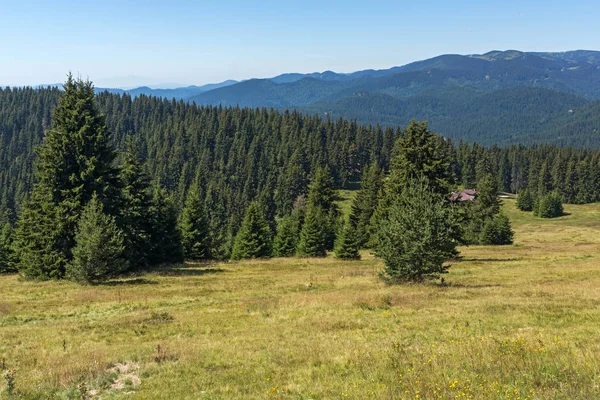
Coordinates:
[231,167]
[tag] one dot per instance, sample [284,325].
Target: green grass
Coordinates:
[519,322]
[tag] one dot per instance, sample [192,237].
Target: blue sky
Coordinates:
[129,43]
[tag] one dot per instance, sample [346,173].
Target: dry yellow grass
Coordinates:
[519,322]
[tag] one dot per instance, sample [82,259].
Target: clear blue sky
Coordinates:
[129,43]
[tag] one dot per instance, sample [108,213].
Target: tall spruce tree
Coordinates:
[40,242]
[288,231]
[346,246]
[418,153]
[75,161]
[484,208]
[487,203]
[99,246]
[293,181]
[322,196]
[165,235]
[194,227]
[365,203]
[313,238]
[544,181]
[135,214]
[7,256]
[254,238]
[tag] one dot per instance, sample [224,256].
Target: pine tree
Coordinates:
[39,242]
[254,239]
[484,208]
[313,239]
[286,239]
[365,203]
[165,236]
[293,181]
[544,181]
[571,181]
[322,190]
[497,231]
[549,206]
[487,203]
[99,250]
[194,227]
[7,256]
[419,152]
[322,196]
[135,213]
[76,159]
[525,200]
[418,235]
[347,247]
[74,162]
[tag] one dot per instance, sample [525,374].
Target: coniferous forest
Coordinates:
[96,185]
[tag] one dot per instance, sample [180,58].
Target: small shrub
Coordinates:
[549,206]
[525,201]
[497,231]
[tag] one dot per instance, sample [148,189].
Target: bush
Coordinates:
[525,201]
[497,231]
[549,206]
[99,251]
[417,236]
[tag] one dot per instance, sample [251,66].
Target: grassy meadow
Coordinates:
[512,322]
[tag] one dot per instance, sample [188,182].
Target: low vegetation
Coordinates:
[518,321]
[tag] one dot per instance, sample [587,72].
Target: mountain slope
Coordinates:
[182,93]
[514,115]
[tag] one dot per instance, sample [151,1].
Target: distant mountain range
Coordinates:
[180,93]
[499,97]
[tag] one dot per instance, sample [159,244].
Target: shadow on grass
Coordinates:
[198,268]
[474,259]
[130,282]
[450,285]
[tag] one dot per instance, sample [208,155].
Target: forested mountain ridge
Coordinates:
[179,93]
[230,157]
[573,72]
[494,98]
[500,97]
[515,115]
